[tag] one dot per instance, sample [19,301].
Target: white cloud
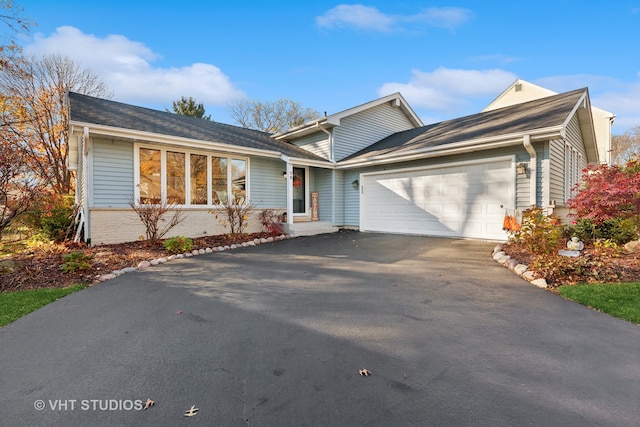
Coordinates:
[357,16]
[447,90]
[363,17]
[127,69]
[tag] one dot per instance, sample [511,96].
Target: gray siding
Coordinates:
[574,138]
[365,128]
[556,165]
[113,174]
[316,143]
[542,189]
[322,184]
[523,183]
[339,198]
[268,189]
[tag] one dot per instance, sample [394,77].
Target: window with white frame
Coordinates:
[572,170]
[189,178]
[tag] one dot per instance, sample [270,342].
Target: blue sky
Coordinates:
[448,59]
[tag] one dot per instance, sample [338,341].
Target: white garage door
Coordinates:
[459,201]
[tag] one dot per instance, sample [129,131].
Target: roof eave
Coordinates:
[142,136]
[456,148]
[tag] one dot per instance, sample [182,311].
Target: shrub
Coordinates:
[76,261]
[608,193]
[52,219]
[618,230]
[269,220]
[539,233]
[151,214]
[234,214]
[178,244]
[560,270]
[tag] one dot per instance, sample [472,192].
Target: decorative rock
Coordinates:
[201,251]
[233,246]
[270,239]
[498,255]
[117,272]
[143,264]
[106,277]
[511,264]
[498,248]
[171,257]
[129,270]
[503,259]
[243,244]
[263,240]
[162,260]
[575,244]
[528,275]
[221,248]
[179,256]
[154,262]
[541,283]
[195,252]
[520,269]
[632,246]
[251,243]
[208,250]
[227,247]
[188,254]
[563,252]
[8,266]
[257,241]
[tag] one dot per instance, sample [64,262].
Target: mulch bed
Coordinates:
[42,268]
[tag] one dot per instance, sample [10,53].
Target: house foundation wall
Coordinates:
[110,226]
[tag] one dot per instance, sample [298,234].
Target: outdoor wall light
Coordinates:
[284,175]
[521,169]
[355,184]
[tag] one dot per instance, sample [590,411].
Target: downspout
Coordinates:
[289,177]
[84,209]
[533,171]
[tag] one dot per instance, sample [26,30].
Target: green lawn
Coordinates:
[14,305]
[618,300]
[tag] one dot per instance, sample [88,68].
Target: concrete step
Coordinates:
[309,228]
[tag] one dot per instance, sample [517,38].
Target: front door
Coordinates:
[299,190]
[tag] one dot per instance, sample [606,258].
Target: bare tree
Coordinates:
[10,15]
[152,214]
[625,147]
[272,117]
[33,110]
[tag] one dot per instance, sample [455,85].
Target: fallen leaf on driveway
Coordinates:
[149,404]
[179,312]
[364,372]
[191,411]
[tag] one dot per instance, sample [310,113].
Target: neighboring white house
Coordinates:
[374,167]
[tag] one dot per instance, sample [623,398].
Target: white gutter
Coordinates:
[448,149]
[140,136]
[533,168]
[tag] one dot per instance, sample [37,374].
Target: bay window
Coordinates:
[190,179]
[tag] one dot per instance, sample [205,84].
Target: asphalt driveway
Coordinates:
[274,335]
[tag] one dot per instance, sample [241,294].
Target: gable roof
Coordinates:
[116,119]
[541,119]
[396,99]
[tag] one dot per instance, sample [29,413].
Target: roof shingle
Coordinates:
[91,110]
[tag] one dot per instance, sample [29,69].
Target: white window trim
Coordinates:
[306,191]
[163,172]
